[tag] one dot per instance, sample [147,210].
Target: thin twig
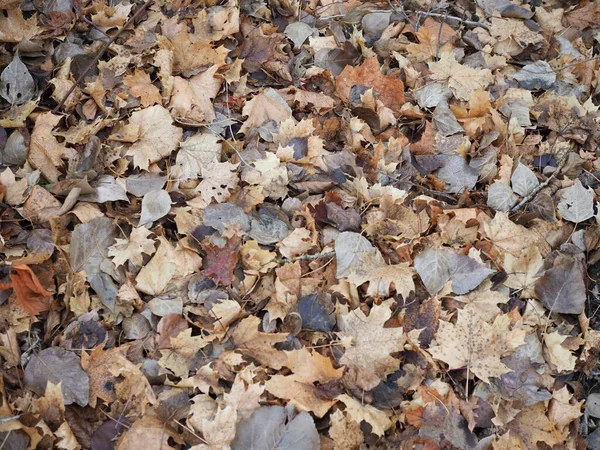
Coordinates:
[307,257]
[541,186]
[9,419]
[458,19]
[101,52]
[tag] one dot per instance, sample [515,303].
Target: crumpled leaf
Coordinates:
[31,295]
[438,266]
[155,205]
[58,365]
[275,428]
[16,83]
[576,203]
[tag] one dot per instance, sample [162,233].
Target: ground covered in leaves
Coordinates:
[299,224]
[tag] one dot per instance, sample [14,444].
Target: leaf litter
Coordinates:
[299,225]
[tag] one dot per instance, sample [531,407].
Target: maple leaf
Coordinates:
[257,344]
[218,179]
[140,86]
[132,249]
[462,80]
[368,344]
[45,152]
[220,262]
[389,87]
[152,133]
[358,412]
[473,343]
[268,105]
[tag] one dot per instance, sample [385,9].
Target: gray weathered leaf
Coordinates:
[355,254]
[268,228]
[267,429]
[562,288]
[106,190]
[457,174]
[523,180]
[16,149]
[89,252]
[16,83]
[298,32]
[58,365]
[437,266]
[155,205]
[431,94]
[501,197]
[576,203]
[223,215]
[538,75]
[444,120]
[139,185]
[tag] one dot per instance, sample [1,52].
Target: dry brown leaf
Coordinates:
[45,152]
[462,80]
[368,344]
[389,88]
[31,295]
[141,86]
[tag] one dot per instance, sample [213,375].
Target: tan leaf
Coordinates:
[153,135]
[258,345]
[268,105]
[533,426]
[270,174]
[368,344]
[302,395]
[218,179]
[141,86]
[473,343]
[346,433]
[45,152]
[357,411]
[462,80]
[14,28]
[193,98]
[132,249]
[147,433]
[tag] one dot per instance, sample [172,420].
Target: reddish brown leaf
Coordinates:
[220,261]
[31,295]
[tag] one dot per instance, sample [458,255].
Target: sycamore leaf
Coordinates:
[132,249]
[576,203]
[477,345]
[368,344]
[152,134]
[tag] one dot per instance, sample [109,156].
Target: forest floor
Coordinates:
[299,224]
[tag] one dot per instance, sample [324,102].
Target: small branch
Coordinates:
[541,186]
[458,19]
[307,257]
[139,11]
[9,419]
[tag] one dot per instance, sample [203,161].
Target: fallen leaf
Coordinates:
[57,365]
[476,345]
[132,249]
[31,295]
[461,79]
[576,203]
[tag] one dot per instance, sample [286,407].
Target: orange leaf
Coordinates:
[31,295]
